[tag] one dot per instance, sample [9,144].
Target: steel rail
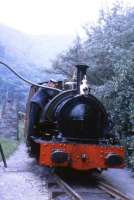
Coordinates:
[112,191]
[108,189]
[73,195]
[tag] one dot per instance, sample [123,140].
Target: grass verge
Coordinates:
[8,145]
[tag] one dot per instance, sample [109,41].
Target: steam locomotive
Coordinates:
[70,129]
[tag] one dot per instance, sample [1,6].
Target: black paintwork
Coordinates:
[81,117]
[67,113]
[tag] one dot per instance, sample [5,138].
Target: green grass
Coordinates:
[8,145]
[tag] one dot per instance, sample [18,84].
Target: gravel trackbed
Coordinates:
[23,179]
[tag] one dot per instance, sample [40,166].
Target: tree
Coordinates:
[115,37]
[109,51]
[65,62]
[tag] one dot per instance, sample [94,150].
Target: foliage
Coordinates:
[64,63]
[130,152]
[109,50]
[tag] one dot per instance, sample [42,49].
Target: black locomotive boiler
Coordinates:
[69,129]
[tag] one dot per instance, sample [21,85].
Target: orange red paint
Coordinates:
[94,155]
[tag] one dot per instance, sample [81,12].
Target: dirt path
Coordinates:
[23,179]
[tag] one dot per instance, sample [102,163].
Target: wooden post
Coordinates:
[3,156]
[17,136]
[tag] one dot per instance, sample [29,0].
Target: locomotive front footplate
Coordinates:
[80,156]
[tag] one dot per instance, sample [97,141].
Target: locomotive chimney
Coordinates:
[81,72]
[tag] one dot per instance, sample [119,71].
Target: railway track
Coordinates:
[112,191]
[59,189]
